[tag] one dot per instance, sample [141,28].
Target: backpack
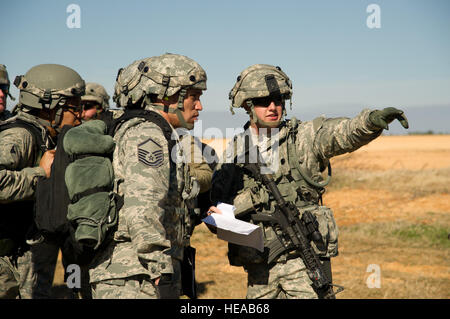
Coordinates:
[50,216]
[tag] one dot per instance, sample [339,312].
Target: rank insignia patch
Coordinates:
[150,153]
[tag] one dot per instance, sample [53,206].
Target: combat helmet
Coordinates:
[97,93]
[162,76]
[4,80]
[256,81]
[47,87]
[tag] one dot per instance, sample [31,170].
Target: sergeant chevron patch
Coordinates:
[150,153]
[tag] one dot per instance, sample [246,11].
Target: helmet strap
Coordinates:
[231,110]
[58,120]
[183,122]
[11,97]
[177,111]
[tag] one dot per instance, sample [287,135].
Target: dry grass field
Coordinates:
[391,200]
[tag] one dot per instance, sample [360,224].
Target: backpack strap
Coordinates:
[107,117]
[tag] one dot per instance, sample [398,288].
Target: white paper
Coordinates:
[234,230]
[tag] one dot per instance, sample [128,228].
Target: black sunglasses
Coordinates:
[4,88]
[265,101]
[89,105]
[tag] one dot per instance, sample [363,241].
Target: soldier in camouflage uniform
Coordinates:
[50,97]
[95,101]
[295,153]
[4,92]
[143,260]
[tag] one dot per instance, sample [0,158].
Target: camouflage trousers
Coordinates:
[283,280]
[135,287]
[16,277]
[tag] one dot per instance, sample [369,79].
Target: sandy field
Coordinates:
[391,201]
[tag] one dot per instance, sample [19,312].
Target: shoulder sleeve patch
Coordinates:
[150,153]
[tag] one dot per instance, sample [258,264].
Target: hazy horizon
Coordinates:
[338,62]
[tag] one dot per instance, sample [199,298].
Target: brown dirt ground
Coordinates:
[366,212]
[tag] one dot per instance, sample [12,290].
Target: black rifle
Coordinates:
[298,233]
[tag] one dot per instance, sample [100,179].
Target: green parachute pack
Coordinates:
[89,178]
[93,208]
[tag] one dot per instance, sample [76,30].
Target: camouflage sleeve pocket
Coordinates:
[329,231]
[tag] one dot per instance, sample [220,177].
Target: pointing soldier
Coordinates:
[295,153]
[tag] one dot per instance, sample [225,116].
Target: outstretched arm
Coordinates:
[342,135]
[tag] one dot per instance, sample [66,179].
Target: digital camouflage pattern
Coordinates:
[198,166]
[249,84]
[257,81]
[45,86]
[18,172]
[96,92]
[136,287]
[163,76]
[16,277]
[284,280]
[18,177]
[154,221]
[315,143]
[9,279]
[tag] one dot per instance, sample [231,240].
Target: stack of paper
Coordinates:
[234,230]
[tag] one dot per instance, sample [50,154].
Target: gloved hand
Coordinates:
[193,190]
[382,118]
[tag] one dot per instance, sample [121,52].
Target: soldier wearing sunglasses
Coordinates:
[95,102]
[303,152]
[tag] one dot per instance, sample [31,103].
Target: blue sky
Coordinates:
[334,60]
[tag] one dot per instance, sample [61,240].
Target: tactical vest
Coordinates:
[297,186]
[16,220]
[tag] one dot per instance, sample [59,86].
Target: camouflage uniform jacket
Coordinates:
[198,165]
[315,142]
[19,170]
[153,221]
